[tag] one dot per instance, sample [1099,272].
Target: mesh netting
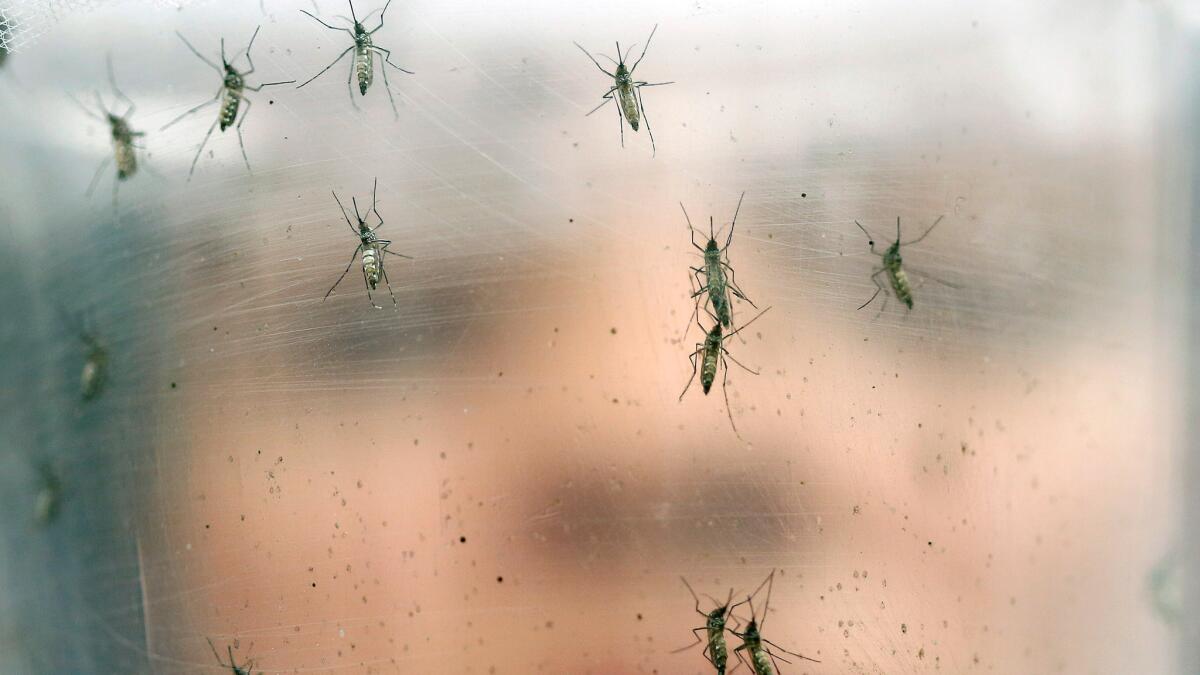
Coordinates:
[23,22]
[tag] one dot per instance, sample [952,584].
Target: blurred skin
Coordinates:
[926,510]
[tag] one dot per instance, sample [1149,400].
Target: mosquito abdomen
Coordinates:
[363,65]
[708,370]
[761,661]
[229,108]
[901,286]
[370,258]
[718,650]
[629,104]
[124,158]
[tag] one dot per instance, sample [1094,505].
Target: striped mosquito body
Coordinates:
[124,156]
[95,368]
[627,95]
[231,96]
[711,354]
[123,136]
[715,277]
[362,63]
[95,361]
[898,278]
[757,648]
[892,265]
[372,260]
[373,249]
[712,351]
[715,648]
[625,90]
[50,493]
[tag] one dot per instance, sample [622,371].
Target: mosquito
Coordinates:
[628,91]
[95,364]
[231,94]
[243,669]
[715,282]
[715,649]
[123,136]
[711,351]
[363,63]
[893,266]
[754,644]
[372,248]
[50,493]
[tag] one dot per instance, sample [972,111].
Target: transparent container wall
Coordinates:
[497,474]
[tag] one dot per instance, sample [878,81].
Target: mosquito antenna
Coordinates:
[626,54]
[735,215]
[609,58]
[935,224]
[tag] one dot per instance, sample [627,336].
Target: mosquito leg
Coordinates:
[214,651]
[201,149]
[189,112]
[388,87]
[368,285]
[637,92]
[353,257]
[886,298]
[96,176]
[116,186]
[725,391]
[621,123]
[242,143]
[735,288]
[691,379]
[607,97]
[388,58]
[197,53]
[332,64]
[594,61]
[350,85]
[878,287]
[389,285]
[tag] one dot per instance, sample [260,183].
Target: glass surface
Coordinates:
[496,475]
